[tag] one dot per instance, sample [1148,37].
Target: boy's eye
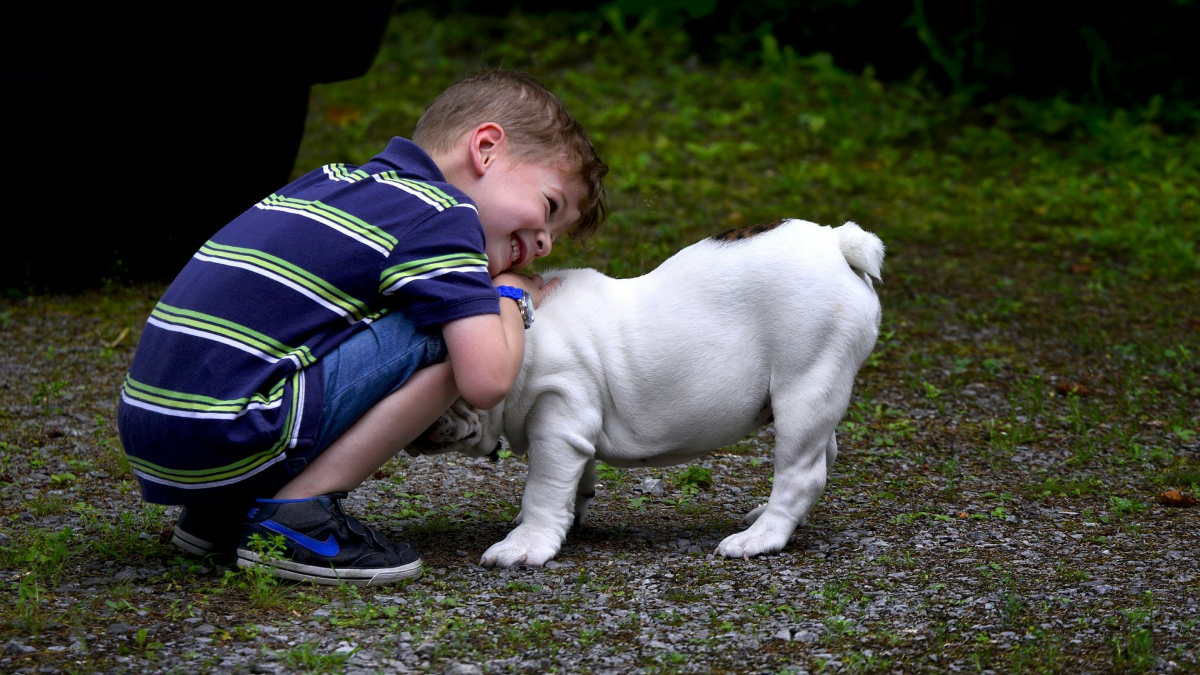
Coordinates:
[553,205]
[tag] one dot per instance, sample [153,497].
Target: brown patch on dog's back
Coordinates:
[746,232]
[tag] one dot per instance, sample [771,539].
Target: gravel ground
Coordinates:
[994,509]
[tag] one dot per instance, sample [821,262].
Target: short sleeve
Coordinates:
[438,271]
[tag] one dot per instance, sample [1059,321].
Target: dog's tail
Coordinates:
[863,251]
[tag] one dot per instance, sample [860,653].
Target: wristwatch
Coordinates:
[524,302]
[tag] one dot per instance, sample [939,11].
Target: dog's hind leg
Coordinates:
[804,447]
[831,452]
[830,455]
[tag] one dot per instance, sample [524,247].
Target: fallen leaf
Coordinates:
[1076,388]
[1176,498]
[963,514]
[1081,268]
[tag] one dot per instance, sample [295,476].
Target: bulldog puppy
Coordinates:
[762,322]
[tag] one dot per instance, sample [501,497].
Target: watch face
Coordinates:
[526,305]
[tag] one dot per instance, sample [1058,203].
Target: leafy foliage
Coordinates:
[696,149]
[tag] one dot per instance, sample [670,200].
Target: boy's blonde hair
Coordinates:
[535,122]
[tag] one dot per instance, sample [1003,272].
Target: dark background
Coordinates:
[1104,53]
[133,133]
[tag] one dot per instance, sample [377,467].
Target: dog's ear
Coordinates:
[459,428]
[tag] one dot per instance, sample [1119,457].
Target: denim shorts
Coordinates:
[373,363]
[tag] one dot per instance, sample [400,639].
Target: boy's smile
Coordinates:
[524,208]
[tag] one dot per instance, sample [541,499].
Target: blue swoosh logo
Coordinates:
[327,548]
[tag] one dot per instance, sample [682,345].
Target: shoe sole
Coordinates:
[195,545]
[328,576]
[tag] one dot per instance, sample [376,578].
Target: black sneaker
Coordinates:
[323,545]
[210,530]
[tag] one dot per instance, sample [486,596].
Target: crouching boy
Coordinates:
[318,333]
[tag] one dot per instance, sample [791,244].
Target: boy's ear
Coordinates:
[488,143]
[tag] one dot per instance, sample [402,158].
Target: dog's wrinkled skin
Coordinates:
[765,321]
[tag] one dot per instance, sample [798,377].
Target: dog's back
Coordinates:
[713,334]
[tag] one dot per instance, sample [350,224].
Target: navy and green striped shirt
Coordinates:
[227,376]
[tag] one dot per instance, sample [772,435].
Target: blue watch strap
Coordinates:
[511,292]
[522,299]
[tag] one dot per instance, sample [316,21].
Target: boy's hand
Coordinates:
[537,288]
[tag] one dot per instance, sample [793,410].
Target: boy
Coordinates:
[321,331]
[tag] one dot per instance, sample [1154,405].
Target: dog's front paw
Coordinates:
[752,542]
[522,546]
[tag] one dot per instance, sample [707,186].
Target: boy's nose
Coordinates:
[542,245]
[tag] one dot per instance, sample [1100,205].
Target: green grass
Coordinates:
[693,479]
[308,657]
[694,150]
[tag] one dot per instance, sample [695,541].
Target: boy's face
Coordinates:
[524,206]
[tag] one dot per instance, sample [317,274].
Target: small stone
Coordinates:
[14,647]
[463,669]
[806,636]
[120,628]
[782,634]
[206,629]
[127,574]
[653,486]
[425,649]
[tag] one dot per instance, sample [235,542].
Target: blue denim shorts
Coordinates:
[373,363]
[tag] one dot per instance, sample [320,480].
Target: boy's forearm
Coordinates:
[486,353]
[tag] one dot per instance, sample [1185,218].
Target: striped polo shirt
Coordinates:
[227,376]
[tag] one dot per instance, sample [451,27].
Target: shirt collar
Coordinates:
[407,157]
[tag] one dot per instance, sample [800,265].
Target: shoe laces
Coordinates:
[353,525]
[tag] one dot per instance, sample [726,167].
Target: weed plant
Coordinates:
[263,588]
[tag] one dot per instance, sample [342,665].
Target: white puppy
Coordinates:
[770,320]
